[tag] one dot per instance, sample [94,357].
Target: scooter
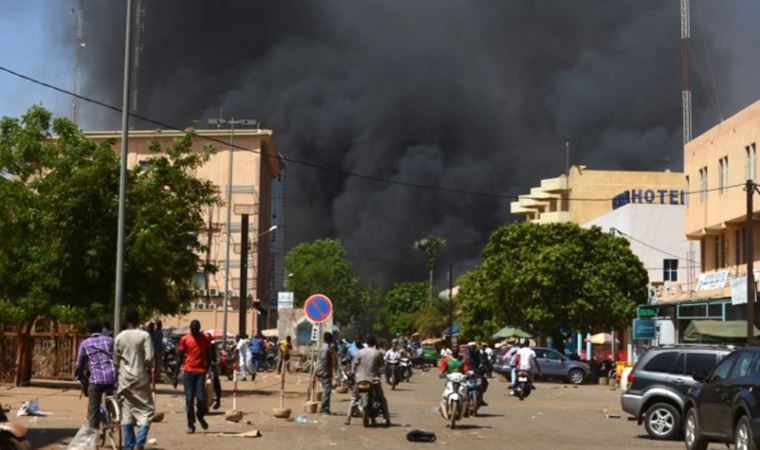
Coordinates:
[474,393]
[523,387]
[347,377]
[12,434]
[392,372]
[370,405]
[453,403]
[406,369]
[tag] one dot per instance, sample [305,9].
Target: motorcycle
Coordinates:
[169,358]
[12,434]
[347,377]
[419,362]
[392,372]
[474,393]
[523,387]
[406,369]
[453,402]
[370,405]
[229,363]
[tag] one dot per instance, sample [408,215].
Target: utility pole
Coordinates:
[244,275]
[79,46]
[119,294]
[451,305]
[228,227]
[750,188]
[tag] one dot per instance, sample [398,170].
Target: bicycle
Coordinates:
[110,423]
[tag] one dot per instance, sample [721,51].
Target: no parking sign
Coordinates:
[318,308]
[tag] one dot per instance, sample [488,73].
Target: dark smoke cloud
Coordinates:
[475,95]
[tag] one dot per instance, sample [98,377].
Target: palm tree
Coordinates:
[430,247]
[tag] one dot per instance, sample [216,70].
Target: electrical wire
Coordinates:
[312,165]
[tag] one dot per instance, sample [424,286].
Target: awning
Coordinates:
[272,332]
[511,332]
[716,330]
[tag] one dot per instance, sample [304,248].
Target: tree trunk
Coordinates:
[24,351]
[430,289]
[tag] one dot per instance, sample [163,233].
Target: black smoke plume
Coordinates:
[475,95]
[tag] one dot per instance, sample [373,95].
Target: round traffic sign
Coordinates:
[318,308]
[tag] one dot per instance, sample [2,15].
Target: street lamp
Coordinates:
[228,228]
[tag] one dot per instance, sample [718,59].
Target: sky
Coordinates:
[477,96]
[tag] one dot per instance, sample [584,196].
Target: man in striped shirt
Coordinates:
[96,358]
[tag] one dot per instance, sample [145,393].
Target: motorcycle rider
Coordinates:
[478,366]
[367,366]
[525,360]
[392,355]
[453,363]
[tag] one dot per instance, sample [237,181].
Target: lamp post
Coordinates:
[228,228]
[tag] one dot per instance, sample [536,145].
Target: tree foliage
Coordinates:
[430,246]
[548,277]
[402,304]
[322,267]
[58,221]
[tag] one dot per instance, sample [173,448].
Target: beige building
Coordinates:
[585,194]
[252,174]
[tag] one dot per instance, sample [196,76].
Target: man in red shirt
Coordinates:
[194,348]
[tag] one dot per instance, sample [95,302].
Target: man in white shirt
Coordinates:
[525,359]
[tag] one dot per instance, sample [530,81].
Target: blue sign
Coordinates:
[649,196]
[643,329]
[318,308]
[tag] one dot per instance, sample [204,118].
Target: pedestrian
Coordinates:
[133,360]
[96,357]
[157,337]
[324,371]
[284,362]
[258,351]
[244,355]
[213,370]
[194,349]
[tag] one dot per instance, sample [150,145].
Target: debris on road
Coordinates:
[233,416]
[85,439]
[31,408]
[613,416]
[245,434]
[420,436]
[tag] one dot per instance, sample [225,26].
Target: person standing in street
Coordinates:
[194,349]
[258,352]
[244,355]
[133,359]
[213,370]
[324,371]
[96,356]
[284,362]
[157,337]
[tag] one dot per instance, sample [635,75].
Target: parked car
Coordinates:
[553,365]
[726,407]
[658,384]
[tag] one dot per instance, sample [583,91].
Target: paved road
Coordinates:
[554,416]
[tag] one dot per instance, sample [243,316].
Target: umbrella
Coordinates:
[216,333]
[601,339]
[511,332]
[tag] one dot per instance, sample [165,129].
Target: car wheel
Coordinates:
[743,439]
[692,437]
[662,421]
[576,376]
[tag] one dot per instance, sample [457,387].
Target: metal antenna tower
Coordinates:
[686,108]
[79,43]
[138,49]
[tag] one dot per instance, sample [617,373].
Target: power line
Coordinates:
[645,244]
[312,165]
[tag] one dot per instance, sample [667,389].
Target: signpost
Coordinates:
[318,309]
[643,329]
[284,300]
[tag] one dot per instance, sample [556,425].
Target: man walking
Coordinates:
[284,362]
[194,348]
[133,358]
[258,351]
[324,371]
[244,356]
[96,356]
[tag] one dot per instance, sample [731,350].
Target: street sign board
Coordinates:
[644,311]
[318,308]
[643,329]
[284,300]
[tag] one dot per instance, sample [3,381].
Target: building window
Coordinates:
[670,270]
[703,184]
[688,190]
[739,250]
[723,174]
[716,252]
[750,162]
[702,254]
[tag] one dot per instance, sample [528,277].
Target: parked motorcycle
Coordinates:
[453,402]
[523,387]
[474,393]
[229,363]
[419,362]
[370,405]
[12,434]
[406,369]
[392,372]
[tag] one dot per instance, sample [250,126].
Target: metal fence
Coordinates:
[54,356]
[8,348]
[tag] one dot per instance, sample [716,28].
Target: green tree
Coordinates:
[402,303]
[322,267]
[430,246]
[59,198]
[548,277]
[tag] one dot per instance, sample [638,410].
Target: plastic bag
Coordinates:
[86,439]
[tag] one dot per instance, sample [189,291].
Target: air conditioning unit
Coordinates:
[211,306]
[234,293]
[214,292]
[201,292]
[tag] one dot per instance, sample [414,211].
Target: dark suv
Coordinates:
[726,408]
[658,384]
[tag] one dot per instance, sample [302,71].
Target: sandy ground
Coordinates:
[555,416]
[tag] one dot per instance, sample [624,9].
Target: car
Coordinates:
[553,365]
[659,382]
[726,406]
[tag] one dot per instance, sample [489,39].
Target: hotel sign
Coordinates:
[649,197]
[712,280]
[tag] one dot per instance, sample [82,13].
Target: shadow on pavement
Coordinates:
[469,426]
[40,437]
[489,415]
